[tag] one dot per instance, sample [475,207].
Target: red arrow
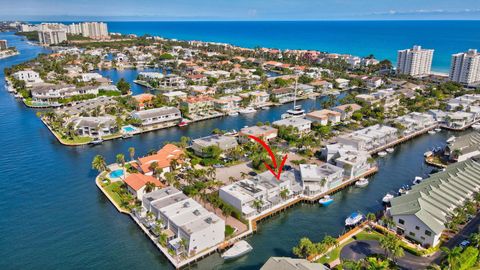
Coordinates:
[272,156]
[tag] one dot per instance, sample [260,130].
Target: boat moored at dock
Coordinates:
[238,249]
[363,182]
[325,201]
[387,198]
[354,219]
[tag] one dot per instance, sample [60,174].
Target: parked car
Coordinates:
[464,244]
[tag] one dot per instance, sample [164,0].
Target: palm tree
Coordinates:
[227,212]
[243,175]
[173,164]
[330,241]
[353,265]
[99,163]
[475,239]
[121,159]
[258,204]
[452,255]
[371,217]
[149,187]
[153,166]
[373,263]
[131,152]
[284,193]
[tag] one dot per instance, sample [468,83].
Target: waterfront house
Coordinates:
[144,101]
[353,162]
[421,214]
[286,263]
[374,82]
[459,120]
[347,110]
[258,98]
[173,81]
[87,106]
[223,142]
[51,94]
[227,103]
[87,77]
[164,116]
[303,126]
[163,160]
[175,95]
[283,95]
[369,138]
[136,183]
[324,117]
[264,132]
[147,76]
[463,147]
[94,126]
[30,77]
[183,219]
[464,102]
[197,105]
[415,121]
[318,179]
[305,89]
[321,85]
[342,83]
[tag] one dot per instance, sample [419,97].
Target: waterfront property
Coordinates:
[323,117]
[190,228]
[421,214]
[83,107]
[197,105]
[162,160]
[370,138]
[347,110]
[317,179]
[286,263]
[302,126]
[415,121]
[264,132]
[156,116]
[137,183]
[463,147]
[95,127]
[30,77]
[200,146]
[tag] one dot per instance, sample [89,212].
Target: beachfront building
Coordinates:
[94,30]
[370,138]
[324,117]
[197,105]
[264,132]
[286,263]
[346,110]
[137,182]
[464,147]
[157,116]
[264,191]
[303,126]
[416,62]
[421,214]
[317,179]
[162,160]
[465,68]
[201,145]
[184,220]
[415,121]
[30,77]
[51,33]
[94,126]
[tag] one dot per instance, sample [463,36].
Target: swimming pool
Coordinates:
[116,174]
[128,129]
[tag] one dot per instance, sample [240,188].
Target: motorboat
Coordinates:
[390,150]
[417,180]
[238,249]
[438,129]
[354,219]
[325,201]
[363,182]
[404,190]
[428,154]
[387,198]
[233,113]
[96,141]
[451,139]
[266,108]
[231,133]
[382,153]
[431,132]
[183,123]
[297,111]
[127,136]
[247,110]
[476,126]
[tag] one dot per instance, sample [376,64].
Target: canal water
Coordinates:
[54,217]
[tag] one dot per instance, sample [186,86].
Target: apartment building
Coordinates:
[465,68]
[416,62]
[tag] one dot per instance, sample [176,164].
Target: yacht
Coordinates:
[96,141]
[431,132]
[238,249]
[363,182]
[438,129]
[247,110]
[390,150]
[297,110]
[354,219]
[387,198]
[417,180]
[476,126]
[233,113]
[325,201]
[382,153]
[451,139]
[183,123]
[404,190]
[266,108]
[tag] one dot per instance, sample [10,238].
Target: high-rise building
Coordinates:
[52,33]
[416,62]
[95,30]
[465,67]
[3,44]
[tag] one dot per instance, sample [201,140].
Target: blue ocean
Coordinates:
[380,38]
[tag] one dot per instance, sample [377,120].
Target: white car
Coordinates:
[464,244]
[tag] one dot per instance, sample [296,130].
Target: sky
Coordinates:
[253,10]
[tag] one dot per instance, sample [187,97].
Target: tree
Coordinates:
[284,193]
[131,152]
[371,217]
[153,166]
[475,239]
[304,248]
[392,246]
[227,211]
[258,204]
[452,255]
[149,187]
[123,86]
[373,263]
[99,163]
[121,159]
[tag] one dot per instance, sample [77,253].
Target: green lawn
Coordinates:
[334,254]
[109,188]
[77,139]
[368,236]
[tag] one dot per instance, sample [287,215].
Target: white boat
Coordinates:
[238,249]
[451,139]
[297,111]
[403,190]
[417,180]
[266,108]
[387,198]
[312,97]
[325,201]
[247,110]
[233,113]
[127,136]
[354,219]
[476,126]
[428,154]
[231,133]
[438,129]
[431,132]
[363,182]
[382,153]
[96,141]
[390,150]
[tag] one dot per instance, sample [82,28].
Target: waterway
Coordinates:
[54,217]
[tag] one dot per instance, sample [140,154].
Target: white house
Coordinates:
[163,115]
[94,126]
[302,125]
[317,179]
[30,77]
[324,116]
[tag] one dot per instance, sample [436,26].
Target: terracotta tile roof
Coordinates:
[162,157]
[137,180]
[142,98]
